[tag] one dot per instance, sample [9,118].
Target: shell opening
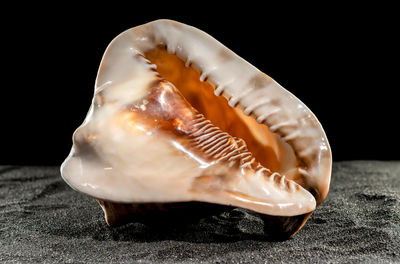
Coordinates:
[199,90]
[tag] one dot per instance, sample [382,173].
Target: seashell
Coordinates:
[177,117]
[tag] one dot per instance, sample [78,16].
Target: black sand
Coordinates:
[43,220]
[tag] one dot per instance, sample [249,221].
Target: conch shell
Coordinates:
[177,117]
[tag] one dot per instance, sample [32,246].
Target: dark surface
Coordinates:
[43,220]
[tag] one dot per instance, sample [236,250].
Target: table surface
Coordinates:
[43,220]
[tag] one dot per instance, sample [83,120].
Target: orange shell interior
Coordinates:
[268,149]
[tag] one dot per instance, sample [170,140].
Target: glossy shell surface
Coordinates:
[178,117]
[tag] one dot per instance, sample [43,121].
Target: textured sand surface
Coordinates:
[43,220]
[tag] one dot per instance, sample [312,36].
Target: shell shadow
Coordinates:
[81,217]
[202,224]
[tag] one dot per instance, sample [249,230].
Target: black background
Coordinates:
[340,60]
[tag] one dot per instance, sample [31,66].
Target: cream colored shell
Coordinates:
[143,167]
